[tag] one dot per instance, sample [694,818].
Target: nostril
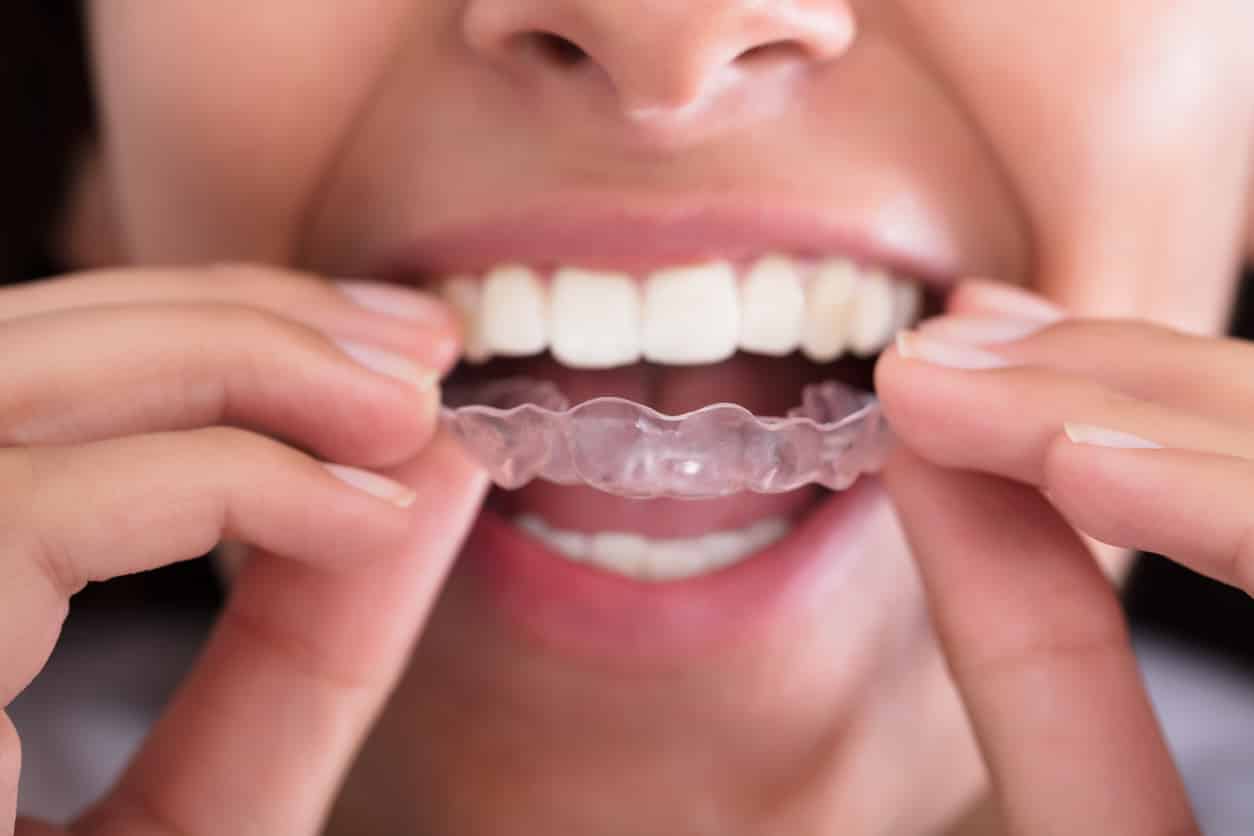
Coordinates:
[776,51]
[554,48]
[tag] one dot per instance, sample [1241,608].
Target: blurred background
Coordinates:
[1166,598]
[1207,624]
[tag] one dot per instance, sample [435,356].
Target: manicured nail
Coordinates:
[1103,437]
[373,484]
[915,346]
[392,365]
[394,300]
[980,330]
[1012,301]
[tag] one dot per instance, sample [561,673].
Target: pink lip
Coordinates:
[588,612]
[607,232]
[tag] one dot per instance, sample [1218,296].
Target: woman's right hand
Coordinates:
[145,415]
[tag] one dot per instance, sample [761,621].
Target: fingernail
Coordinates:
[980,330]
[394,300]
[1012,301]
[1103,437]
[373,484]
[915,346]
[392,365]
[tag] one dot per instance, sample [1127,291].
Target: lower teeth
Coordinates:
[649,559]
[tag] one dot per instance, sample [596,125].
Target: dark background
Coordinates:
[1164,596]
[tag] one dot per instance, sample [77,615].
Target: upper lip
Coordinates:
[612,233]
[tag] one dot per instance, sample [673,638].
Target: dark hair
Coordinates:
[44,87]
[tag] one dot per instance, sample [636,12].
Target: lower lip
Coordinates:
[578,610]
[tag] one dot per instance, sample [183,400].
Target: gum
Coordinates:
[521,429]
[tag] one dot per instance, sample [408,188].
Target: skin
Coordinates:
[1113,179]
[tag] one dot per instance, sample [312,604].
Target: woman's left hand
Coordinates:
[1015,434]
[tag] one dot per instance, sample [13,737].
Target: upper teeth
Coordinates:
[683,315]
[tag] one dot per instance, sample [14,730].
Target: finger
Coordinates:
[1038,649]
[989,298]
[1000,298]
[399,319]
[95,373]
[87,513]
[1193,507]
[258,738]
[1206,375]
[1003,420]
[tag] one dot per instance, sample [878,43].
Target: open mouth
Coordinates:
[675,338]
[740,317]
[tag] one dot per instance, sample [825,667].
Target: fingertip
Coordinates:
[911,405]
[450,489]
[979,295]
[373,484]
[900,464]
[381,423]
[442,464]
[963,298]
[890,369]
[1077,482]
[442,350]
[1082,459]
[1056,464]
[397,301]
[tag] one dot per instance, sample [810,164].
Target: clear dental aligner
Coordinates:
[522,429]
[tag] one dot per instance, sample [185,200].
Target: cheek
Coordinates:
[219,118]
[1126,150]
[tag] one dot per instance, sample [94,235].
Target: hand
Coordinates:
[141,414]
[1017,432]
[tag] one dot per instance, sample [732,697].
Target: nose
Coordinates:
[660,59]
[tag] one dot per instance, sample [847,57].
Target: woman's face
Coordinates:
[1096,150]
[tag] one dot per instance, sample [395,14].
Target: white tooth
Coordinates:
[722,548]
[532,524]
[594,319]
[691,315]
[515,312]
[464,296]
[768,531]
[641,558]
[573,544]
[873,313]
[618,550]
[826,331]
[675,559]
[772,307]
[909,303]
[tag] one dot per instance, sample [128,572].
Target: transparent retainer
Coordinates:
[522,429]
